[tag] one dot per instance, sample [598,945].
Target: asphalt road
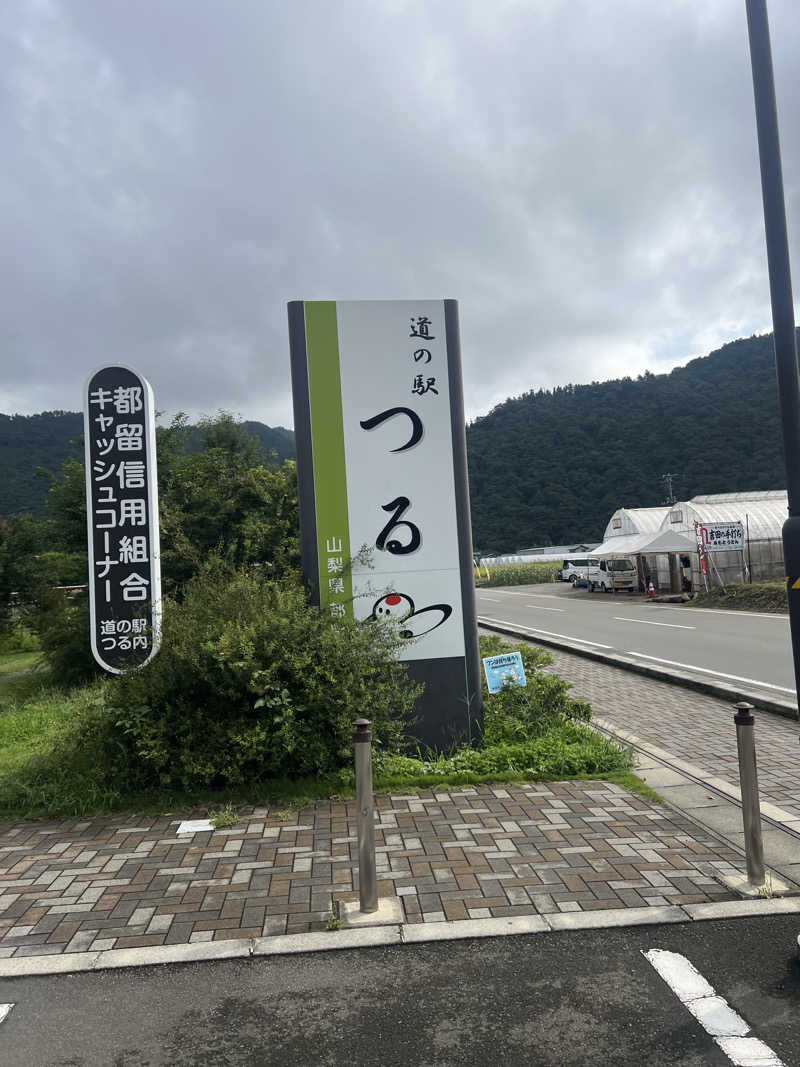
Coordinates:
[726,646]
[548,1000]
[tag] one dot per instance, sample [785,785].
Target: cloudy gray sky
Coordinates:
[582,175]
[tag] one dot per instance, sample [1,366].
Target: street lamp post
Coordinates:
[780,285]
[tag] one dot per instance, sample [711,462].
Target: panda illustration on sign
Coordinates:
[399,608]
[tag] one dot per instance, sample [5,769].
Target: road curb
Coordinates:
[688,681]
[399,934]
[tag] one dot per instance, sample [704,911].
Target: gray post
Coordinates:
[780,288]
[367,880]
[748,780]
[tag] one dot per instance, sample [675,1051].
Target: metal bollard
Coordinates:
[367,880]
[748,781]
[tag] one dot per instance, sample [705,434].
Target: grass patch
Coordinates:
[19,638]
[15,662]
[22,676]
[334,922]
[17,690]
[760,596]
[516,574]
[226,816]
[44,768]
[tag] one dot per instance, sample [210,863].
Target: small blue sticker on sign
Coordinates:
[504,670]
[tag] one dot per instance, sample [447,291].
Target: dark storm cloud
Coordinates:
[581,175]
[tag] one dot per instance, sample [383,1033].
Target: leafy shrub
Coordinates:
[517,574]
[62,623]
[251,683]
[562,752]
[522,713]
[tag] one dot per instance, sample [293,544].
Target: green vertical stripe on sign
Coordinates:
[327,445]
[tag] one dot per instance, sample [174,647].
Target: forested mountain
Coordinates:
[548,467]
[31,445]
[552,467]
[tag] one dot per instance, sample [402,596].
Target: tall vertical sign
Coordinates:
[122,519]
[384,503]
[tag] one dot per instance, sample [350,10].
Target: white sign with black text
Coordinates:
[721,536]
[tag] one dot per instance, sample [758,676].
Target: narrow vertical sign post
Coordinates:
[384,504]
[122,519]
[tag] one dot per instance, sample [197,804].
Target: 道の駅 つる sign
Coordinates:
[384,505]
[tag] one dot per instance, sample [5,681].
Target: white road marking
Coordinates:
[706,670]
[724,611]
[492,600]
[539,596]
[544,633]
[5,1011]
[713,1012]
[647,622]
[541,607]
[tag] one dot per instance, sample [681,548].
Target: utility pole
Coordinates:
[780,285]
[666,480]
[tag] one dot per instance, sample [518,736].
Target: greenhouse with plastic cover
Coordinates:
[710,540]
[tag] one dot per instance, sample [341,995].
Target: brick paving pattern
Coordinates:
[471,853]
[690,725]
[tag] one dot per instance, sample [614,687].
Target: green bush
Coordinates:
[562,752]
[522,713]
[251,683]
[517,574]
[62,623]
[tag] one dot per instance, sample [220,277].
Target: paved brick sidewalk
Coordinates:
[473,853]
[694,727]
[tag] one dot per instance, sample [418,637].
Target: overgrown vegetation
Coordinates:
[82,752]
[516,574]
[18,638]
[230,499]
[251,684]
[760,596]
[253,694]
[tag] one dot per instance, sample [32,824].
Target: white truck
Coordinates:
[607,575]
[618,574]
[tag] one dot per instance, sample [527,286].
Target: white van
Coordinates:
[576,570]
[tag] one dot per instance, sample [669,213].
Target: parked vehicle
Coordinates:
[576,571]
[617,574]
[607,575]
